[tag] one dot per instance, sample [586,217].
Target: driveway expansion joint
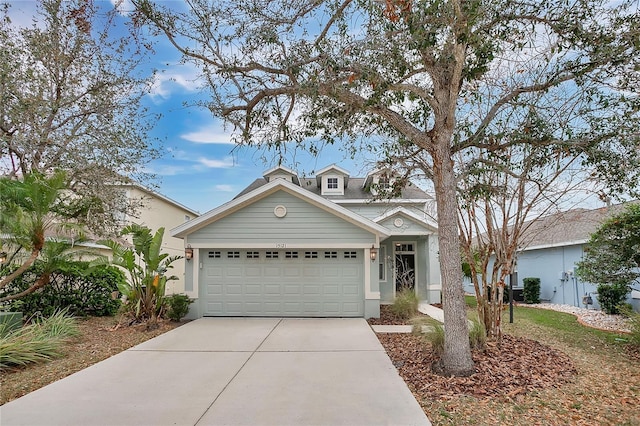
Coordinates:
[237,372]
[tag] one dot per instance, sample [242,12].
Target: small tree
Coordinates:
[144,292]
[612,254]
[32,208]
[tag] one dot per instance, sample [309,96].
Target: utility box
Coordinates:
[10,321]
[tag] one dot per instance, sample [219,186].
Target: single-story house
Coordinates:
[551,248]
[325,246]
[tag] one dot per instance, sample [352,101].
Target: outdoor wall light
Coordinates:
[373,253]
[188,252]
[3,257]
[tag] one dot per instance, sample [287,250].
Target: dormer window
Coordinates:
[332,180]
[281,172]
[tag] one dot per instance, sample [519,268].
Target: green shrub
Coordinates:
[436,337]
[37,342]
[477,335]
[406,304]
[610,296]
[178,306]
[531,292]
[81,290]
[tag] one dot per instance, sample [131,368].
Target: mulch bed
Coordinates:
[517,367]
[388,318]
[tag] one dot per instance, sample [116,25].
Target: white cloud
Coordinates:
[224,188]
[225,163]
[123,7]
[210,134]
[174,76]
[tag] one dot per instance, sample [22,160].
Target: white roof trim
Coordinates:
[332,167]
[385,201]
[162,197]
[407,213]
[554,245]
[271,187]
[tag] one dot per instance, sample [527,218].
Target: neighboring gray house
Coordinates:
[319,247]
[552,247]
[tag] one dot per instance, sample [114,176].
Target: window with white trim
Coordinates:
[214,254]
[404,247]
[310,254]
[253,255]
[332,183]
[271,255]
[350,255]
[291,254]
[330,254]
[382,269]
[233,255]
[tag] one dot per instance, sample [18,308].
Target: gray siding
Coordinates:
[374,210]
[303,223]
[548,264]
[408,227]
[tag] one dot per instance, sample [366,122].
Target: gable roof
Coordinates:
[566,228]
[267,189]
[162,197]
[401,211]
[278,170]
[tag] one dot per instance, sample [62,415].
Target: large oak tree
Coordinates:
[431,76]
[70,99]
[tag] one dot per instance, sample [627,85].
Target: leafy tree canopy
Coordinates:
[612,255]
[70,99]
[419,82]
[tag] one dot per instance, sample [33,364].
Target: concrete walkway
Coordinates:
[222,371]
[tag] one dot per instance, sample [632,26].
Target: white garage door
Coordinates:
[292,283]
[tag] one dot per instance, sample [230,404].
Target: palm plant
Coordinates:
[32,208]
[146,266]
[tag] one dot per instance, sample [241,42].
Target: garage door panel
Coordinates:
[272,289]
[292,272]
[233,289]
[234,271]
[213,272]
[253,271]
[294,285]
[271,271]
[214,289]
[331,290]
[253,290]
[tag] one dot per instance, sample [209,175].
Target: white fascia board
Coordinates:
[164,198]
[332,167]
[186,228]
[554,245]
[296,179]
[408,214]
[389,201]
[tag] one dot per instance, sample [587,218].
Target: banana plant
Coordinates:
[147,267]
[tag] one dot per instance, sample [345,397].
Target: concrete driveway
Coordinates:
[234,371]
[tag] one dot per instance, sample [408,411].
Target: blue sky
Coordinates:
[200,167]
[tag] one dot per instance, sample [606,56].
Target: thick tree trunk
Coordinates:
[456,359]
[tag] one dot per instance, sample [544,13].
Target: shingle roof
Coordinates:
[573,226]
[354,191]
